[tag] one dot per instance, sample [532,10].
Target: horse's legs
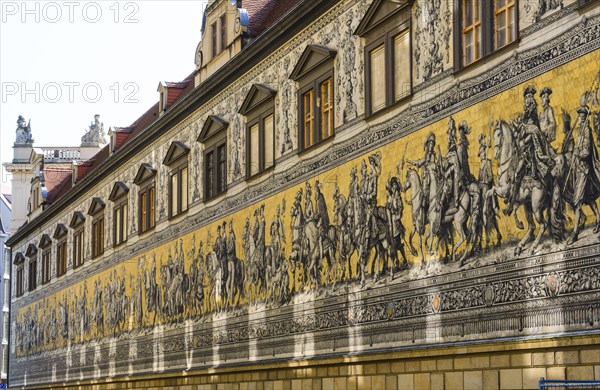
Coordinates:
[539,216]
[530,230]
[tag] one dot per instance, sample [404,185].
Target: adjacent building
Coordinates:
[5,223]
[343,193]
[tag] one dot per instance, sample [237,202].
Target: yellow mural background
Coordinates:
[568,83]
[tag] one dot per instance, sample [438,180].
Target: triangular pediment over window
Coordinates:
[60,230]
[144,173]
[176,151]
[382,11]
[77,219]
[214,125]
[313,57]
[19,259]
[257,95]
[31,250]
[119,189]
[96,206]
[45,241]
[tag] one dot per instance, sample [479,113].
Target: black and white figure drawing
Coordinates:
[355,238]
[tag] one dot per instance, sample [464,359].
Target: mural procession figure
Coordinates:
[451,211]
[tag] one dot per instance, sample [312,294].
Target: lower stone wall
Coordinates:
[499,365]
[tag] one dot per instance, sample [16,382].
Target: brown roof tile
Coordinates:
[263,14]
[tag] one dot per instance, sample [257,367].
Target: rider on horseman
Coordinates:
[534,155]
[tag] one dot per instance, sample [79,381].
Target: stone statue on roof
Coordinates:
[95,133]
[23,132]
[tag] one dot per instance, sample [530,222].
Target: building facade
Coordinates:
[344,193]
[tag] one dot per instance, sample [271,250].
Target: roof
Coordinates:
[58,180]
[264,13]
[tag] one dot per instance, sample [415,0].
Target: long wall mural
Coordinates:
[411,231]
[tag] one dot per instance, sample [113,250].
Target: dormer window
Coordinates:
[177,161]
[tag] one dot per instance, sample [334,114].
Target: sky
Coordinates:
[62,62]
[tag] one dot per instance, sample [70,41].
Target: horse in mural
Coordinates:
[413,182]
[255,279]
[563,171]
[308,248]
[345,229]
[532,195]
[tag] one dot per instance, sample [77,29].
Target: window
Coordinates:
[483,26]
[258,107]
[45,245]
[176,159]
[214,137]
[314,74]
[118,196]
[19,263]
[98,236]
[78,248]
[46,266]
[178,187]
[61,258]
[60,234]
[78,225]
[213,30]
[386,29]
[147,208]
[223,26]
[147,197]
[96,210]
[20,280]
[32,273]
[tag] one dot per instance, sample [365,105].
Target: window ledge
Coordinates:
[389,108]
[215,197]
[176,217]
[258,175]
[315,146]
[511,46]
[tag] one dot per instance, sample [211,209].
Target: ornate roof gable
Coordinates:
[96,206]
[213,126]
[382,11]
[144,173]
[257,95]
[176,151]
[118,190]
[313,56]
